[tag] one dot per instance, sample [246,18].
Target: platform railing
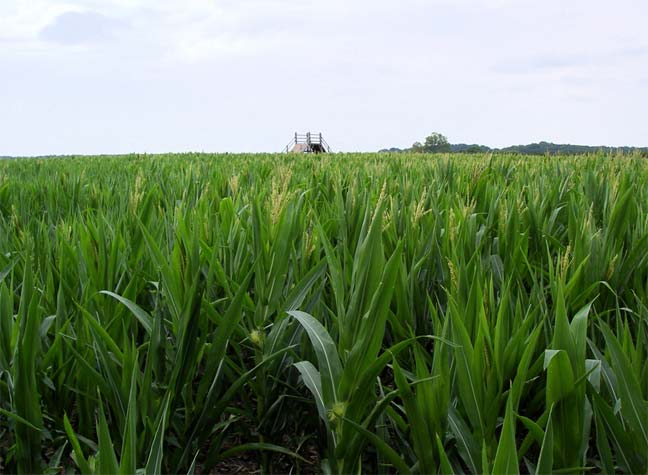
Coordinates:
[307,139]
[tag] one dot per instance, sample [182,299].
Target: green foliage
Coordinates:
[434,143]
[359,313]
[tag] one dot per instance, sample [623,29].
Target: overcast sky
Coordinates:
[117,76]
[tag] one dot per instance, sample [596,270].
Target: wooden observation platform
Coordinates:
[307,143]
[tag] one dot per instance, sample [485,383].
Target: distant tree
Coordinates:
[417,147]
[436,142]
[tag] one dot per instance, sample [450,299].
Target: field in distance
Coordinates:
[346,313]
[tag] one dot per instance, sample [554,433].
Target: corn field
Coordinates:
[359,313]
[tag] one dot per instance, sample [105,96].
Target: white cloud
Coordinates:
[73,28]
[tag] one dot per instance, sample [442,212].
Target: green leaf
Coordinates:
[26,398]
[560,377]
[390,454]
[469,388]
[371,331]
[523,368]
[156,453]
[20,420]
[625,446]
[445,468]
[578,330]
[467,446]
[300,291]
[545,459]
[633,406]
[99,329]
[330,367]
[79,458]
[192,467]
[259,446]
[593,371]
[142,316]
[506,460]
[313,382]
[106,459]
[129,445]
[602,443]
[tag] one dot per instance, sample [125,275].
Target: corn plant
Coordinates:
[348,313]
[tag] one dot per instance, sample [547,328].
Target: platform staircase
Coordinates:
[307,143]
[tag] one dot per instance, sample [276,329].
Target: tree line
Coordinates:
[438,143]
